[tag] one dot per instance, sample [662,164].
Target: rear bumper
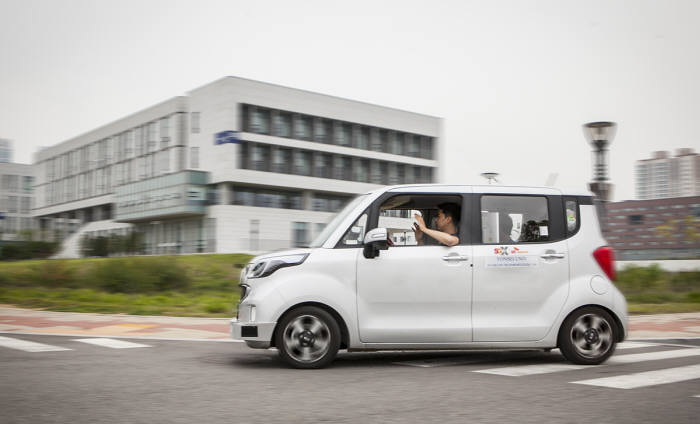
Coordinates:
[255,334]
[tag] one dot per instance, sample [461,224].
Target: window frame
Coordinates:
[373,215]
[555,212]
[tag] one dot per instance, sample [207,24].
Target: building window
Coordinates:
[323,130]
[323,165]
[281,159]
[413,147]
[260,157]
[300,234]
[194,157]
[283,124]
[302,162]
[280,199]
[427,147]
[397,143]
[361,171]
[194,122]
[328,203]
[635,219]
[303,126]
[362,138]
[11,204]
[24,205]
[343,134]
[243,152]
[259,120]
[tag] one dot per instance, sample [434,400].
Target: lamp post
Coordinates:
[600,135]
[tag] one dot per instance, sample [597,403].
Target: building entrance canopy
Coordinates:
[168,196]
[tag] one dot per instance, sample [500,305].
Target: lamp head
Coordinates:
[599,134]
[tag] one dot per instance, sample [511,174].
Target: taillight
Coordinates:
[605,256]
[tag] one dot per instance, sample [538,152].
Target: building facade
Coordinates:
[234,166]
[5,151]
[664,176]
[653,229]
[16,200]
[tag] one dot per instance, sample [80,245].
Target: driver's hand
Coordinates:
[417,227]
[420,223]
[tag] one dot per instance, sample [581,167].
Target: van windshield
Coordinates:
[331,227]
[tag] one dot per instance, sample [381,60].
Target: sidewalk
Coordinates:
[16,320]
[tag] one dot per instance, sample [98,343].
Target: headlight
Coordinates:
[268,266]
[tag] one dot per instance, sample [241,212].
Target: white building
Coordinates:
[5,151]
[234,166]
[16,181]
[665,176]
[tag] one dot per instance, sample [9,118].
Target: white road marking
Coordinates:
[175,339]
[636,345]
[28,346]
[653,356]
[644,379]
[442,362]
[111,343]
[520,370]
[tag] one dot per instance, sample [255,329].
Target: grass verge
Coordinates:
[206,286]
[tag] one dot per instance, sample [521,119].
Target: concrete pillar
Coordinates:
[307,199]
[225,197]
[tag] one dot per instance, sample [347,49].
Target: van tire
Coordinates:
[308,337]
[588,336]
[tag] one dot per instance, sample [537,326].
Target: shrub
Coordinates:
[28,250]
[54,273]
[635,279]
[139,275]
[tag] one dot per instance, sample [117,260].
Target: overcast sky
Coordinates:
[513,80]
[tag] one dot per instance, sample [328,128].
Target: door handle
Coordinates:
[552,256]
[450,258]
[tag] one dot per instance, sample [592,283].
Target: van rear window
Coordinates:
[514,219]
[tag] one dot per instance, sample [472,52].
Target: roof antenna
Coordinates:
[491,176]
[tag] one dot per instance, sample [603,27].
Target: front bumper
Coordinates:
[255,334]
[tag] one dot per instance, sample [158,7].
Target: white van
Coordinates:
[528,269]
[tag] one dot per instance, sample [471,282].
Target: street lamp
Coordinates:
[600,135]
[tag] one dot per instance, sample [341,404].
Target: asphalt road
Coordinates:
[207,382]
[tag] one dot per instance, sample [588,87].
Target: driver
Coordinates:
[447,222]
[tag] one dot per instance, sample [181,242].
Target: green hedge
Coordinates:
[142,274]
[654,285]
[27,250]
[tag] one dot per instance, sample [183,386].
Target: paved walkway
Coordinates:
[16,320]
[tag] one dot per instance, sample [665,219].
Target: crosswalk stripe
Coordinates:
[535,369]
[111,343]
[521,370]
[28,346]
[440,362]
[653,356]
[635,345]
[644,379]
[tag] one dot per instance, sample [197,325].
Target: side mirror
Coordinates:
[375,240]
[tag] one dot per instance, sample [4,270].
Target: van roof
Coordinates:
[492,188]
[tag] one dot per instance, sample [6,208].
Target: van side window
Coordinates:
[397,215]
[572,216]
[355,235]
[514,219]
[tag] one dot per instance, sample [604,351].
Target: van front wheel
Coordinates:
[588,336]
[308,337]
